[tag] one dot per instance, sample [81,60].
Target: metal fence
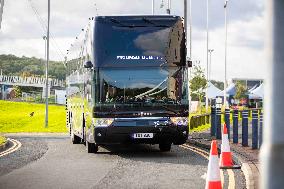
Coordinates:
[199,120]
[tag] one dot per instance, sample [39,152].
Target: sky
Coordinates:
[24,22]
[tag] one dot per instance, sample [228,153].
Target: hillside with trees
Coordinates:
[25,66]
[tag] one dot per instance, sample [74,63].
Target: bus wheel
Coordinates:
[165,147]
[91,147]
[74,138]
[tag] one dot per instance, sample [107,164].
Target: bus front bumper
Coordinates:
[126,135]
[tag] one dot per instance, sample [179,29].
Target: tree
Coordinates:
[198,83]
[240,90]
[24,66]
[18,91]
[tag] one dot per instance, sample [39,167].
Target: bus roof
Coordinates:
[135,17]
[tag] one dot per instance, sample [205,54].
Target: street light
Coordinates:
[46,67]
[207,51]
[1,11]
[153,7]
[44,62]
[190,46]
[210,62]
[226,36]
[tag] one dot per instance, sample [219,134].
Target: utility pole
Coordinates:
[272,150]
[190,46]
[44,62]
[1,11]
[46,67]
[185,23]
[207,51]
[190,30]
[153,7]
[188,68]
[225,69]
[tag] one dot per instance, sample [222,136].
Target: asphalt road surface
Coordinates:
[53,162]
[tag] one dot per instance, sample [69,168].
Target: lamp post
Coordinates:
[190,30]
[1,11]
[153,7]
[46,67]
[44,62]
[210,63]
[207,51]
[226,37]
[190,46]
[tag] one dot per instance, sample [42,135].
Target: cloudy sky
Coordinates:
[24,20]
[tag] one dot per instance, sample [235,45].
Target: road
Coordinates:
[53,162]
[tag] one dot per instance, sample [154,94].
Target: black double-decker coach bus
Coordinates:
[127,82]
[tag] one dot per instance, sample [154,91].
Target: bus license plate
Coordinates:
[143,135]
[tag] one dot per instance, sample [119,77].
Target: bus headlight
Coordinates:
[102,122]
[180,121]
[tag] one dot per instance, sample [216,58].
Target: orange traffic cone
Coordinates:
[226,161]
[213,180]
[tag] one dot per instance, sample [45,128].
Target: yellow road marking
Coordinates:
[196,151]
[205,154]
[16,146]
[202,153]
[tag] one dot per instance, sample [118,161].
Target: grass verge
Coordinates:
[18,117]
[201,128]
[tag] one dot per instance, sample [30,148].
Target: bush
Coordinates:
[2,140]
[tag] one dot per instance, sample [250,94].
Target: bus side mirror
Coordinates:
[88,64]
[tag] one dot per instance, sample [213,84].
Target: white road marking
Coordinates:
[204,176]
[16,145]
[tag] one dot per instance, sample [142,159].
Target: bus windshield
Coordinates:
[123,89]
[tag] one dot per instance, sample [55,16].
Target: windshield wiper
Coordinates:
[171,110]
[153,23]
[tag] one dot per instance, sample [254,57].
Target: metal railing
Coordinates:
[30,81]
[199,120]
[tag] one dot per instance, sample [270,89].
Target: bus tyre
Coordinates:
[91,147]
[165,147]
[74,138]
